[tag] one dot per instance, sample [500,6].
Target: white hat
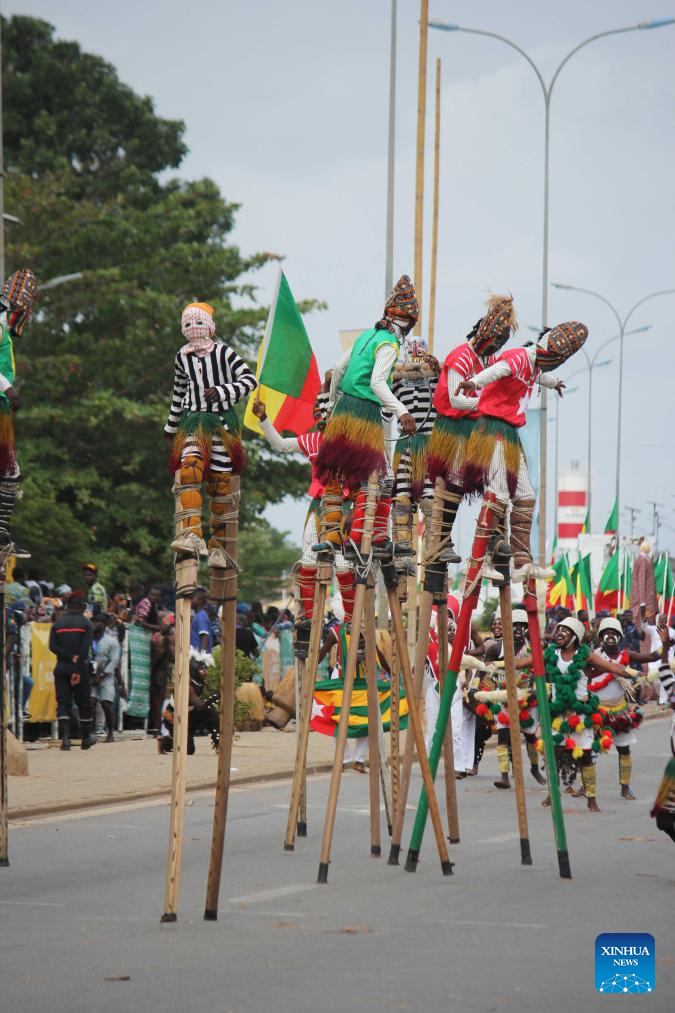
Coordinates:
[577,627]
[519,616]
[610,624]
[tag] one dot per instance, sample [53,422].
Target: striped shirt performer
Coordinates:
[209,380]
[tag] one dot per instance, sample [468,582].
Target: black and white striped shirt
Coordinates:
[417,396]
[222,368]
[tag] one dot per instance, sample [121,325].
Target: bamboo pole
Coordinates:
[448,748]
[324,573]
[186,579]
[4,803]
[385,782]
[300,680]
[434,228]
[227,657]
[539,671]
[419,168]
[348,686]
[415,718]
[418,683]
[394,733]
[373,720]
[501,559]
[420,655]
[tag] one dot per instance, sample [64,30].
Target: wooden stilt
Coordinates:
[373,720]
[418,683]
[434,220]
[501,559]
[323,577]
[349,675]
[539,671]
[385,782]
[485,526]
[227,657]
[186,579]
[300,679]
[448,749]
[420,656]
[4,804]
[415,721]
[394,733]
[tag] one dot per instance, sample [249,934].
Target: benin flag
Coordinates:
[626,583]
[613,519]
[287,373]
[607,595]
[586,526]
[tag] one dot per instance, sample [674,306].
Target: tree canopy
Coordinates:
[95,365]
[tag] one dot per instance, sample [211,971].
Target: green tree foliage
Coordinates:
[95,365]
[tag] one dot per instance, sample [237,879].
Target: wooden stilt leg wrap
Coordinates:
[188,492]
[331,515]
[224,531]
[402,531]
[521,527]
[435,569]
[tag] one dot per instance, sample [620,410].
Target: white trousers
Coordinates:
[496,483]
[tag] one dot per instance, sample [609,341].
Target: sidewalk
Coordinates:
[131,769]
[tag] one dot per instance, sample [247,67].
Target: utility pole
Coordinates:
[633,513]
[656,520]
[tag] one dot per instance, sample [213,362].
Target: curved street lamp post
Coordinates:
[547,91]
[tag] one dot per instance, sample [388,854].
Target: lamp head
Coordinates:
[448,26]
[657,23]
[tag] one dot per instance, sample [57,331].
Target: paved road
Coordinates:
[80,906]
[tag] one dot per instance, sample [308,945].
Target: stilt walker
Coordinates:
[353,448]
[16,303]
[487,457]
[209,380]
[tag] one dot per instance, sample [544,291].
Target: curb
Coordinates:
[139,796]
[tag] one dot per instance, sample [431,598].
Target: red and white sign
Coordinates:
[572,507]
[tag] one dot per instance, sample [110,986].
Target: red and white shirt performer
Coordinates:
[495,462]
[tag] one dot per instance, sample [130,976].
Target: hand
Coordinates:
[408,424]
[466,387]
[75,679]
[432,361]
[212,395]
[664,634]
[328,376]
[259,409]
[559,387]
[13,398]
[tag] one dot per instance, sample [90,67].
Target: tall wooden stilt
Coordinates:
[4,804]
[186,579]
[501,561]
[323,577]
[448,749]
[485,526]
[539,671]
[300,679]
[373,720]
[415,720]
[227,657]
[349,675]
[394,733]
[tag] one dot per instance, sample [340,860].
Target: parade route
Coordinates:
[81,901]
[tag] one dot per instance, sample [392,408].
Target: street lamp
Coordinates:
[62,279]
[591,364]
[556,418]
[621,336]
[547,91]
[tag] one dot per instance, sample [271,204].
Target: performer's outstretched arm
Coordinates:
[282,444]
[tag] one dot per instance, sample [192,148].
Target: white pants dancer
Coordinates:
[463,733]
[356,750]
[496,483]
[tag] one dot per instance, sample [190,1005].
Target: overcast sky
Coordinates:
[286,108]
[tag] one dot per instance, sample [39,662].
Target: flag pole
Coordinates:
[434,229]
[419,170]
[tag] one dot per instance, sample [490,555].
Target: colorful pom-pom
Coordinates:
[596,718]
[570,743]
[573,721]
[577,752]
[540,745]
[555,724]
[503,718]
